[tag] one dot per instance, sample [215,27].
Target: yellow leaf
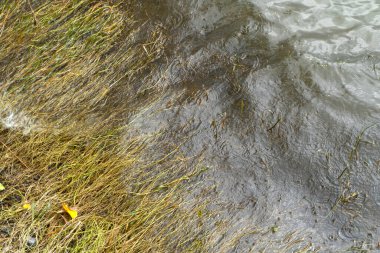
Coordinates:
[2,188]
[26,206]
[73,213]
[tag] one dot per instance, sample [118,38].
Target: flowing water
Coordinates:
[281,99]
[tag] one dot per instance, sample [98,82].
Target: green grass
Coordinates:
[120,207]
[71,72]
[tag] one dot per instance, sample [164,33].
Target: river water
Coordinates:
[281,100]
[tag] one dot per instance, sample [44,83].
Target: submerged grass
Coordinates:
[72,73]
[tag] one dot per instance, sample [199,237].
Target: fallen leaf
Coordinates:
[2,187]
[26,206]
[73,213]
[274,229]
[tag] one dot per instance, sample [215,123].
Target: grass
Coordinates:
[121,208]
[71,75]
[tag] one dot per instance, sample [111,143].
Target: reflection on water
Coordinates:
[340,40]
[281,98]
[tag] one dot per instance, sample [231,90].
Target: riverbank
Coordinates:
[189,126]
[72,76]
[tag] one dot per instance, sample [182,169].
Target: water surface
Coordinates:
[281,99]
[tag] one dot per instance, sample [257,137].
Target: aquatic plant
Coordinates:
[72,75]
